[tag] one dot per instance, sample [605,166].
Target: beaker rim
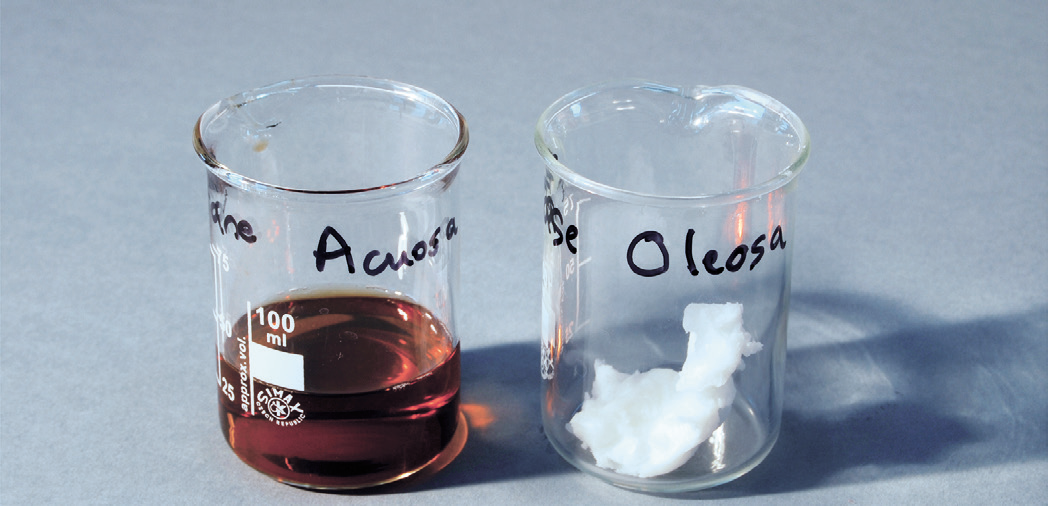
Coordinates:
[781,178]
[442,170]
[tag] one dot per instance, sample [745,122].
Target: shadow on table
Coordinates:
[874,391]
[500,400]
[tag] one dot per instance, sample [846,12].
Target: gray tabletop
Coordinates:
[916,370]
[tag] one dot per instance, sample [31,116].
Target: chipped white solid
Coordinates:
[646,424]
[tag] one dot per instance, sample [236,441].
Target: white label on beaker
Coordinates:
[278,368]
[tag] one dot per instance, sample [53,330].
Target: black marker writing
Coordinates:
[375,262]
[241,228]
[323,255]
[653,237]
[733,263]
[554,222]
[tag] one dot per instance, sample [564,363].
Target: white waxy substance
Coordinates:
[649,423]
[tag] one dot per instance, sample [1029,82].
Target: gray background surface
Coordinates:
[919,330]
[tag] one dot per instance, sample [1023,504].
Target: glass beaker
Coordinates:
[666,279]
[335,254]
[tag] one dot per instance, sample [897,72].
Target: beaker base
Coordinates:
[718,461]
[439,462]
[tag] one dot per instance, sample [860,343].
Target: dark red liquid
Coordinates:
[380,397]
